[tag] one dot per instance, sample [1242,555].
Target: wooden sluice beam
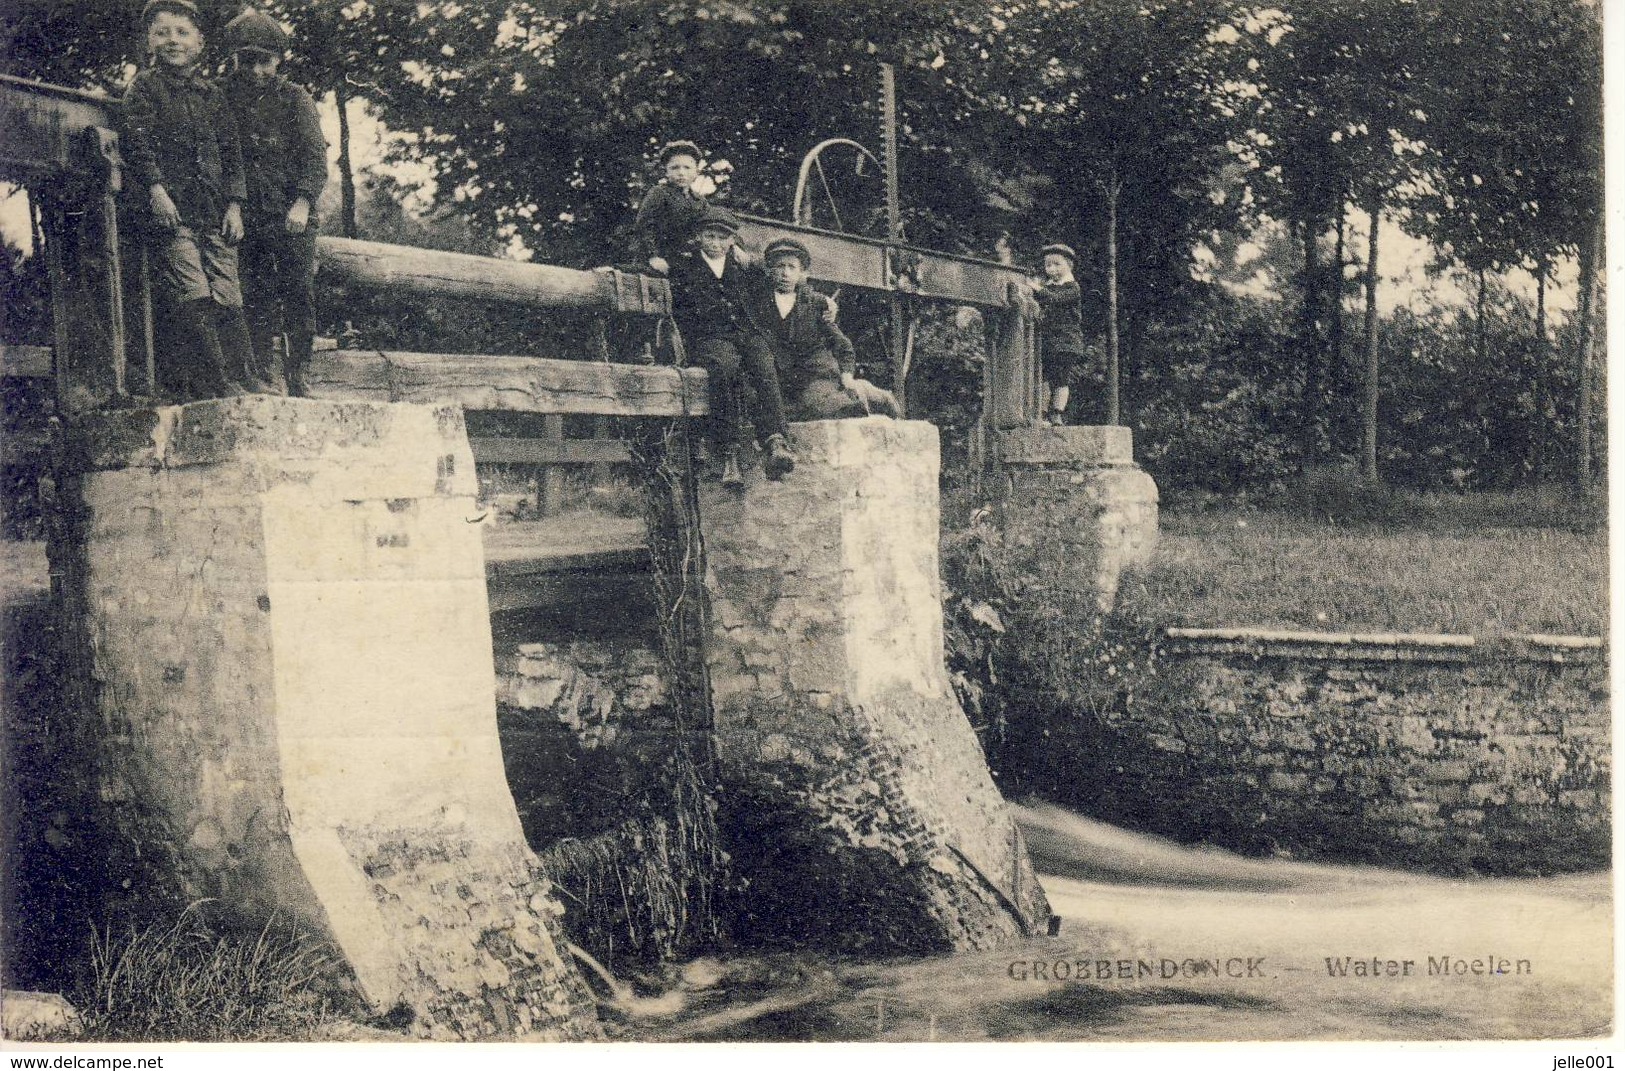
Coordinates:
[874,264]
[514,384]
[404,269]
[41,126]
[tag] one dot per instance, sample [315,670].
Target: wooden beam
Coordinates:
[40,124]
[547,452]
[462,275]
[872,264]
[25,362]
[515,384]
[612,588]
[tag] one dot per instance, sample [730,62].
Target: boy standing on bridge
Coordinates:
[710,295]
[286,159]
[181,147]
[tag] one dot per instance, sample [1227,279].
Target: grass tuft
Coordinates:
[185,981]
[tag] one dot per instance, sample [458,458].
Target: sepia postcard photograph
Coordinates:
[689,522]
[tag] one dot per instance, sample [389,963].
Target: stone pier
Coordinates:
[857,802]
[1078,488]
[290,653]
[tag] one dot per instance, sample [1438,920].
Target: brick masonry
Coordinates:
[290,651]
[1433,752]
[857,801]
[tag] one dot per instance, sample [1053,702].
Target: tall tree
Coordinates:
[1335,116]
[1517,98]
[1117,105]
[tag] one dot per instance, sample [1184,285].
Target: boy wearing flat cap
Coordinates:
[710,289]
[1060,330]
[816,363]
[285,156]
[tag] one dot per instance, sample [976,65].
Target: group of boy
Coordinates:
[768,340]
[229,178]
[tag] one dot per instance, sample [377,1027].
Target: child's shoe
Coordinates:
[732,478]
[780,461]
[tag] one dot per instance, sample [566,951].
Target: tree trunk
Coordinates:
[1368,452]
[1582,406]
[1481,341]
[1114,189]
[346,172]
[1334,344]
[1310,344]
[1545,402]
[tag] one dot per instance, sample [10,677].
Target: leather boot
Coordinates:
[780,460]
[732,478]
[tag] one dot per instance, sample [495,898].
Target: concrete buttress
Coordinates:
[857,803]
[289,650]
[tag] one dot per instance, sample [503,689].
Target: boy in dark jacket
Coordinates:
[672,209]
[186,166]
[816,362]
[1060,331]
[286,160]
[710,291]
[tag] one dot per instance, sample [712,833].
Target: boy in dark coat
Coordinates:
[672,210]
[286,160]
[1060,331]
[186,166]
[710,291]
[816,363]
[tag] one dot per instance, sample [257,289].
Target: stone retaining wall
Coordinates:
[1436,752]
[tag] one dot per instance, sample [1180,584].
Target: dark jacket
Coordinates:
[178,133]
[1061,329]
[666,221]
[705,306]
[806,346]
[283,149]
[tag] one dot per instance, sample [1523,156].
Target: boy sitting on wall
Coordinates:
[710,293]
[816,363]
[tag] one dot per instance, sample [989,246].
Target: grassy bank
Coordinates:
[1281,568]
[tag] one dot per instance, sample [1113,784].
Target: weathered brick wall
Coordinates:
[857,799]
[288,644]
[1431,752]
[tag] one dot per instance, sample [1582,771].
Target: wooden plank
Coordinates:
[868,263]
[613,588]
[546,452]
[514,384]
[462,275]
[25,362]
[550,488]
[40,123]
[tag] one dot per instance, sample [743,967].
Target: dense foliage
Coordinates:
[1142,131]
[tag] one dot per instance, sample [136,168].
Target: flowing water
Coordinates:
[1162,942]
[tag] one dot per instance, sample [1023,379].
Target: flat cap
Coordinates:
[787,247]
[1062,250]
[716,217]
[178,7]
[254,29]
